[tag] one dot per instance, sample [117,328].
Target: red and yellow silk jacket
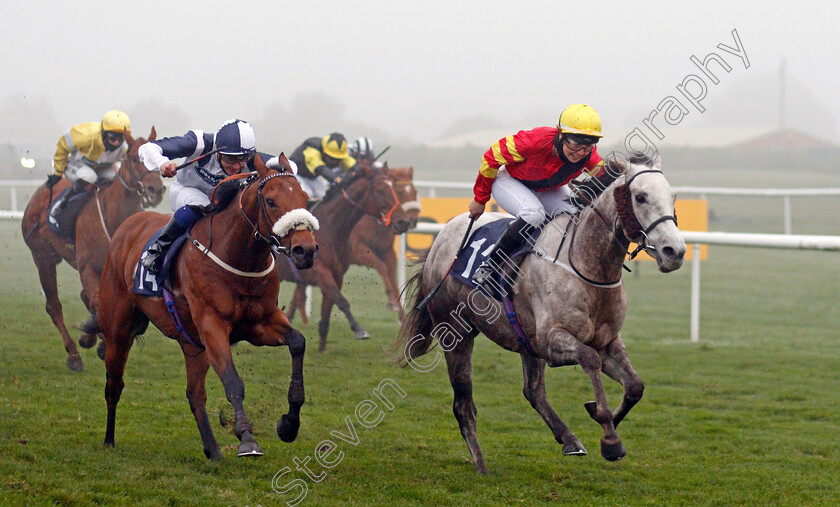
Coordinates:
[529,157]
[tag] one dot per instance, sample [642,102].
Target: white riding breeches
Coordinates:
[315,187]
[180,195]
[78,170]
[522,202]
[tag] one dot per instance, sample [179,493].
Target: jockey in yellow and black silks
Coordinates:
[322,162]
[89,152]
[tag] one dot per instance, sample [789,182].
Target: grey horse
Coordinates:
[568,297]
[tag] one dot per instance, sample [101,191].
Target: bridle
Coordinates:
[384,218]
[629,227]
[263,217]
[136,185]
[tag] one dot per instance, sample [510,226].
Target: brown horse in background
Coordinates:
[225,292]
[372,244]
[111,205]
[367,192]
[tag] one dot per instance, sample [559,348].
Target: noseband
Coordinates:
[630,226]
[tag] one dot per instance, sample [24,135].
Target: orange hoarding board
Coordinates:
[693,215]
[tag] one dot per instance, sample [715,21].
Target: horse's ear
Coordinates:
[411,172]
[152,134]
[262,170]
[657,161]
[285,166]
[127,137]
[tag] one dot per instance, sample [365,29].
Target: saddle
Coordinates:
[478,248]
[62,218]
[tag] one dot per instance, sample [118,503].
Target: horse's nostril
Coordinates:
[669,252]
[298,251]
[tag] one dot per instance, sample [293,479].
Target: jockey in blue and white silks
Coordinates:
[216,156]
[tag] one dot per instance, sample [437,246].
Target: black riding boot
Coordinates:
[515,237]
[153,261]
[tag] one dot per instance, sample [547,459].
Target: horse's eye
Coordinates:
[270,202]
[640,198]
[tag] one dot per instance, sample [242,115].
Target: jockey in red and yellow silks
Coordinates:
[527,175]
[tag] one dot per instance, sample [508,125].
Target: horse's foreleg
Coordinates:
[332,295]
[563,348]
[386,265]
[616,364]
[90,296]
[533,370]
[197,366]
[215,333]
[46,265]
[459,363]
[298,302]
[273,332]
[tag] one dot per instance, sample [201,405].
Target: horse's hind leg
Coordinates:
[46,264]
[565,349]
[115,359]
[459,363]
[533,370]
[197,366]
[617,366]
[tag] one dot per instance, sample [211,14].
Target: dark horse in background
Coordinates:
[110,206]
[367,191]
[569,300]
[225,290]
[372,244]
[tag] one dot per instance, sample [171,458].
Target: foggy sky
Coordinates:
[413,69]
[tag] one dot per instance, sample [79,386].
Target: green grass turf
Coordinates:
[747,416]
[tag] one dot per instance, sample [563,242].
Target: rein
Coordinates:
[262,216]
[384,218]
[630,228]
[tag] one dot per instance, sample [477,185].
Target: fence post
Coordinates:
[695,292]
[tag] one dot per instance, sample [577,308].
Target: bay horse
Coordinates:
[135,187]
[367,192]
[372,244]
[568,297]
[224,292]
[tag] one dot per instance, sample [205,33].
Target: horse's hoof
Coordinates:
[393,307]
[574,448]
[100,350]
[248,449]
[287,428]
[361,334]
[613,452]
[75,363]
[87,341]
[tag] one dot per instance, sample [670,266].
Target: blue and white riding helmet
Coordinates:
[235,137]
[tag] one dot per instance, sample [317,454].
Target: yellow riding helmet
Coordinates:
[334,145]
[116,121]
[580,119]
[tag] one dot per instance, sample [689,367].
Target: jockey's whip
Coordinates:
[381,153]
[188,162]
[422,304]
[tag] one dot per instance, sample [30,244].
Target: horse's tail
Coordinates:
[91,325]
[415,336]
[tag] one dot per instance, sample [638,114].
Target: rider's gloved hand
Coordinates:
[52,179]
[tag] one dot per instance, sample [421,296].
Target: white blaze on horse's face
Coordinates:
[653,198]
